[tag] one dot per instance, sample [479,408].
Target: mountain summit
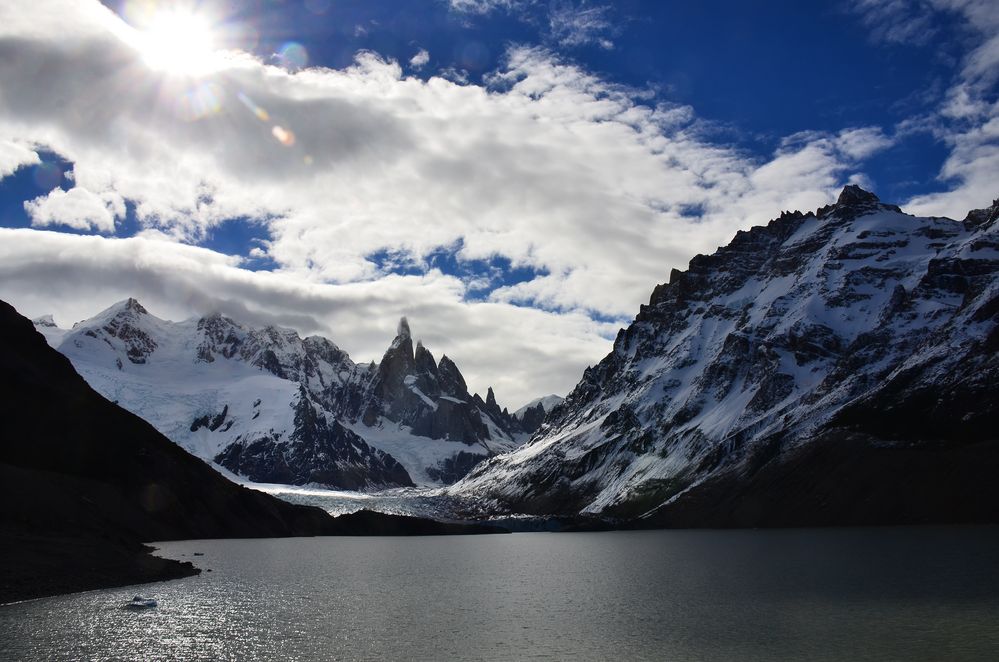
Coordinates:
[854,196]
[829,367]
[273,407]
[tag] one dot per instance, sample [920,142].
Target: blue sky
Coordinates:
[514,175]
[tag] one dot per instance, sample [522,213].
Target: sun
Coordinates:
[178,42]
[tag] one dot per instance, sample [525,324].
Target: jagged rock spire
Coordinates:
[402,331]
[854,195]
[451,380]
[133,306]
[854,202]
[491,406]
[425,362]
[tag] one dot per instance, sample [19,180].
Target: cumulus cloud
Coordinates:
[420,60]
[78,208]
[859,144]
[973,165]
[520,352]
[550,167]
[13,155]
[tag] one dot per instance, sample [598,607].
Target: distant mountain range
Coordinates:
[270,406]
[836,367]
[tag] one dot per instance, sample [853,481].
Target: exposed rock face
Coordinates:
[455,467]
[390,391]
[431,398]
[411,389]
[273,407]
[856,322]
[315,451]
[125,329]
[533,414]
[533,417]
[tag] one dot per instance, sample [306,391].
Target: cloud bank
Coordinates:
[588,187]
[518,351]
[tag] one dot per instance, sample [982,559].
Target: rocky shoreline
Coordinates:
[43,566]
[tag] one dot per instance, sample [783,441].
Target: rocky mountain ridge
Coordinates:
[270,406]
[854,327]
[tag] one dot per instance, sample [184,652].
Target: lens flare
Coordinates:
[283,135]
[259,112]
[199,102]
[47,176]
[292,55]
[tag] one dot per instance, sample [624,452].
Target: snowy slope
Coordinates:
[273,407]
[47,327]
[761,347]
[547,402]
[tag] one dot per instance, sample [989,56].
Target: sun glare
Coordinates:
[178,42]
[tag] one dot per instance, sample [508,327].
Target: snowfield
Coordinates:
[271,407]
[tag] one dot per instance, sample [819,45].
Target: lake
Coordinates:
[836,594]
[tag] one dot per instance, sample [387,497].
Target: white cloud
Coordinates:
[570,23]
[548,166]
[967,118]
[574,24]
[486,6]
[859,144]
[898,21]
[521,352]
[78,208]
[973,166]
[13,155]
[420,60]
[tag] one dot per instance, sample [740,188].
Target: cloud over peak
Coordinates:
[364,179]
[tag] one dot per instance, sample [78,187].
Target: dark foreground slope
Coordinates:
[847,478]
[83,482]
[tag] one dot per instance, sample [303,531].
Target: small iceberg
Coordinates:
[138,602]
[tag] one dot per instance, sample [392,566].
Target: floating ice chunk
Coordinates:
[138,603]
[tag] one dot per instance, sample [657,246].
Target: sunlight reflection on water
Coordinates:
[910,594]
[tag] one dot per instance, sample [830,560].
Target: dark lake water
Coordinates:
[848,594]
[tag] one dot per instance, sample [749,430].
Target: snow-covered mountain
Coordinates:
[547,403]
[851,329]
[273,407]
[533,414]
